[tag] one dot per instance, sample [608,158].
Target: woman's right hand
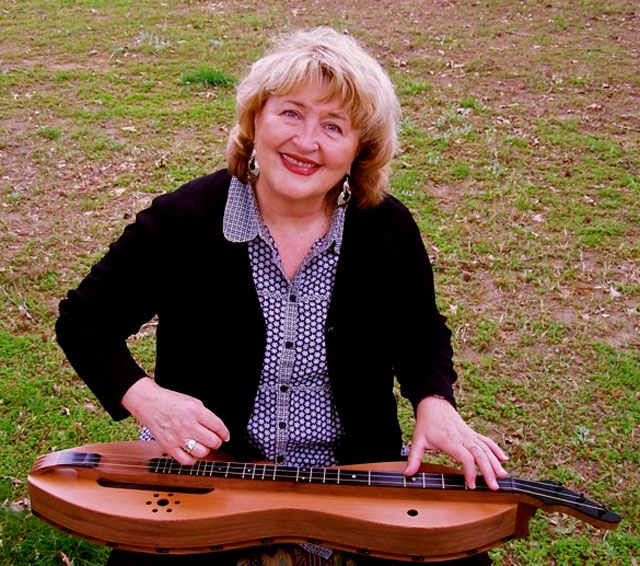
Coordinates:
[173,418]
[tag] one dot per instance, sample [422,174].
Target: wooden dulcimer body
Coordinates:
[129,495]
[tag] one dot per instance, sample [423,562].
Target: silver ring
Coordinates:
[189,445]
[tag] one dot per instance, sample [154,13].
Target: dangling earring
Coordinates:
[254,167]
[345,194]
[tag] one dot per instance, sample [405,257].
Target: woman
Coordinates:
[289,289]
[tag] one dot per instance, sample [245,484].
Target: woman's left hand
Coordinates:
[440,427]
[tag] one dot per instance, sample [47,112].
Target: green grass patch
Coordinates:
[50,133]
[205,76]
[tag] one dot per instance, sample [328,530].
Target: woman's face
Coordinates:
[304,146]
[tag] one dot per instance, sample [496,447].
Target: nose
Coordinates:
[306,138]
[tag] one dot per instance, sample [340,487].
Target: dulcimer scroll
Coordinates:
[131,496]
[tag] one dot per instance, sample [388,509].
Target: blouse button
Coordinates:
[282,425]
[284,388]
[288,345]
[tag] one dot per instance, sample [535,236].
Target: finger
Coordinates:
[213,423]
[500,454]
[470,472]
[460,453]
[207,438]
[175,444]
[483,464]
[177,452]
[496,466]
[494,454]
[183,457]
[414,459]
[199,451]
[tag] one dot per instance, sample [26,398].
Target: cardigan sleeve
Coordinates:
[112,302]
[422,352]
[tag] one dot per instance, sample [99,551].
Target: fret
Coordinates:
[549,492]
[335,476]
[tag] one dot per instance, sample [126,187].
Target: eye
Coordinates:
[334,128]
[290,114]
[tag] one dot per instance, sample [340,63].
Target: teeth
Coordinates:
[296,162]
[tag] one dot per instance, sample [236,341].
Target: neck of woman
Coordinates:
[295,227]
[292,214]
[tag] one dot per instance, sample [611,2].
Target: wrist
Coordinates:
[433,401]
[138,393]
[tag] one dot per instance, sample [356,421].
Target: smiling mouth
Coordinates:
[298,164]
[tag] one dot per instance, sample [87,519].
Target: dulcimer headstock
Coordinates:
[554,496]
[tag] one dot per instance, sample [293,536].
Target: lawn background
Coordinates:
[519,159]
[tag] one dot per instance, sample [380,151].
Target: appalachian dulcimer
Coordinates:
[132,496]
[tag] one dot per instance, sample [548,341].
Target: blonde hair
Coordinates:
[322,55]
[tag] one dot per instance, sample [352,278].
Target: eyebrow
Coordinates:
[338,116]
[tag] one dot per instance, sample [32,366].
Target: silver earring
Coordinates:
[254,167]
[345,195]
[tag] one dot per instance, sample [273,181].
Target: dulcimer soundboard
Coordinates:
[132,496]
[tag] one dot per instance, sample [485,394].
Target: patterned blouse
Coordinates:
[294,420]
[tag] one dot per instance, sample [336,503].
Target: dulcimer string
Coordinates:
[548,490]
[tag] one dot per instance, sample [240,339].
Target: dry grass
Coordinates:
[519,158]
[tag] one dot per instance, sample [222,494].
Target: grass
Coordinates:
[208,77]
[519,158]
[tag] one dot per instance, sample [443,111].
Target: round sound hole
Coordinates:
[412,512]
[162,502]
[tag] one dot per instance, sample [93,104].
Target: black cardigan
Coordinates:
[175,262]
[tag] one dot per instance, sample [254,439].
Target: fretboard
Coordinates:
[319,475]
